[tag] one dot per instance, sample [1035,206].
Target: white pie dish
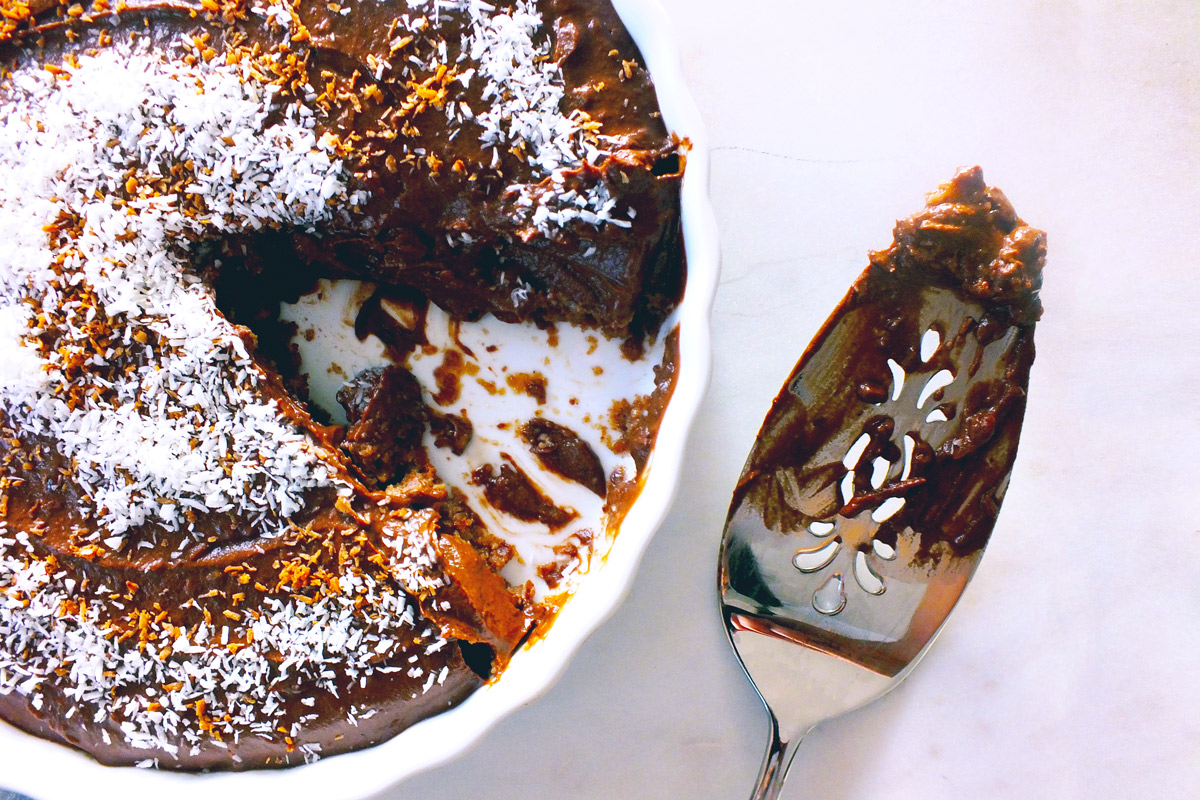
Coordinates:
[45,770]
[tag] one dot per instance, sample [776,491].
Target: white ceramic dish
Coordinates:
[48,771]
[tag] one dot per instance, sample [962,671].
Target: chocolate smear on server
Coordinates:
[194,572]
[898,429]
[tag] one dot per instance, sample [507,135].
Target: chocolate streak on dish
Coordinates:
[635,427]
[562,451]
[510,490]
[969,268]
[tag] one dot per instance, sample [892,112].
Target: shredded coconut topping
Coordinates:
[524,88]
[416,564]
[215,678]
[149,431]
[115,166]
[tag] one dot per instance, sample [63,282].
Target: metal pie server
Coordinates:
[877,476]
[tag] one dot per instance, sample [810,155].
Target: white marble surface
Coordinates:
[1070,668]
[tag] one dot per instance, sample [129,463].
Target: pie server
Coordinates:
[875,481]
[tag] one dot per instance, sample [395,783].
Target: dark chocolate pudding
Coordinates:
[197,570]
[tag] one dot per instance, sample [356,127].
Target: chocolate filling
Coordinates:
[439,220]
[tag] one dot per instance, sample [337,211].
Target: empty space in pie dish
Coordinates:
[505,376]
